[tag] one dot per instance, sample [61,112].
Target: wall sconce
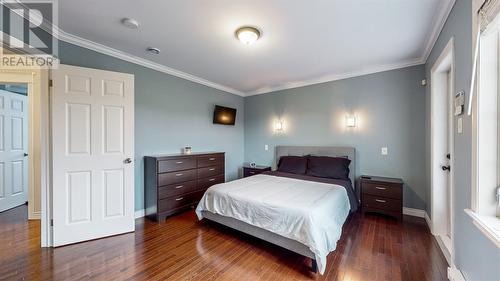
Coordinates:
[278,126]
[350,121]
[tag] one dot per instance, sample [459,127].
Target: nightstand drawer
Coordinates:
[383,190]
[381,203]
[251,171]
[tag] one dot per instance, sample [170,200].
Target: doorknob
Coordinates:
[127,161]
[444,168]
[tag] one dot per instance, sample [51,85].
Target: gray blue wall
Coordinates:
[476,256]
[390,107]
[170,113]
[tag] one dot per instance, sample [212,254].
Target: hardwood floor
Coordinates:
[371,248]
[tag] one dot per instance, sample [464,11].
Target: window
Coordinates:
[485,209]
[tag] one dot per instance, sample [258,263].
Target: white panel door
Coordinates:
[93,144]
[13,146]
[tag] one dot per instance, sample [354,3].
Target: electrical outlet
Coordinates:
[266,147]
[384,151]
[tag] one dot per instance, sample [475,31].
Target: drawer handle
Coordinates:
[211,179]
[180,186]
[178,175]
[380,188]
[252,173]
[179,162]
[380,201]
[212,169]
[179,199]
[211,159]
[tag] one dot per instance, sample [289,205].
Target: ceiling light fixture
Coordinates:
[152,50]
[130,23]
[247,34]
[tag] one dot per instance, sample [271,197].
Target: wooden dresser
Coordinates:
[382,195]
[173,183]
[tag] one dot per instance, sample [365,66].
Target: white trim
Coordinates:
[73,39]
[485,228]
[439,22]
[437,226]
[414,212]
[38,84]
[429,222]
[35,216]
[139,213]
[444,249]
[454,274]
[335,77]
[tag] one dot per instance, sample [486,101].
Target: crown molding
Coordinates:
[335,77]
[442,14]
[73,39]
[439,22]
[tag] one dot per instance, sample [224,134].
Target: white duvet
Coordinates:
[309,212]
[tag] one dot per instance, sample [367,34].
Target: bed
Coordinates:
[301,213]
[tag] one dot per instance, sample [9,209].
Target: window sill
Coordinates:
[488,225]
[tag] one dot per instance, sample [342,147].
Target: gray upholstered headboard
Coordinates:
[333,151]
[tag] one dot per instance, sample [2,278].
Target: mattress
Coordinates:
[309,212]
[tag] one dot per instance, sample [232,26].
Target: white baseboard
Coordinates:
[418,213]
[35,216]
[429,222]
[139,213]
[414,212]
[454,274]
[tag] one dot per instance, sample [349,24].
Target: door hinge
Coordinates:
[51,222]
[50,83]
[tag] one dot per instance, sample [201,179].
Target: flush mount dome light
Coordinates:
[247,34]
[130,23]
[152,50]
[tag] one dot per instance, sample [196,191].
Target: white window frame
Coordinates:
[485,215]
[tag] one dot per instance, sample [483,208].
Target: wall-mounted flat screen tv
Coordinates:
[224,115]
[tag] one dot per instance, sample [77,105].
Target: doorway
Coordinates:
[442,148]
[13,146]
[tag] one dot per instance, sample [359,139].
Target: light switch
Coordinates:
[384,151]
[266,147]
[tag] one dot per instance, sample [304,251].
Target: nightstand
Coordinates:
[251,171]
[382,195]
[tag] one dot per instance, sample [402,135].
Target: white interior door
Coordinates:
[13,146]
[93,144]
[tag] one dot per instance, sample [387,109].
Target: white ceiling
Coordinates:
[303,42]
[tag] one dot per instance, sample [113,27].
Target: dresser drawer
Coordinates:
[381,203]
[210,171]
[176,189]
[176,177]
[208,182]
[383,190]
[179,201]
[210,160]
[165,166]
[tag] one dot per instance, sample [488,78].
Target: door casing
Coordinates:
[445,63]
[38,142]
